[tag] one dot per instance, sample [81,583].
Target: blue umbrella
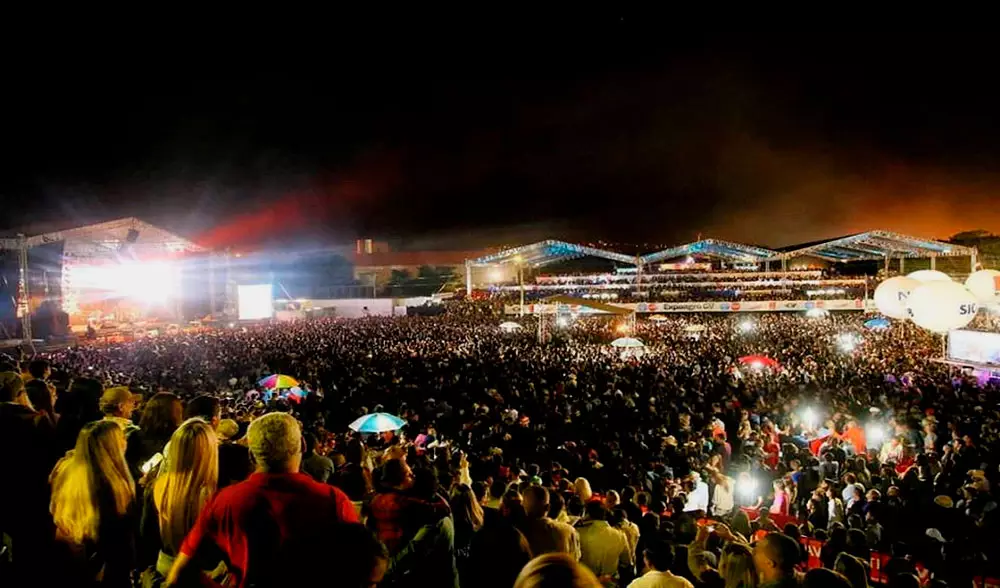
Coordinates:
[377,422]
[877,323]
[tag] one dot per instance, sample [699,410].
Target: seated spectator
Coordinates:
[271,519]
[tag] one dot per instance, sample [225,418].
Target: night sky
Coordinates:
[603,130]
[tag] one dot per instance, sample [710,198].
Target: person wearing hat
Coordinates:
[118,403]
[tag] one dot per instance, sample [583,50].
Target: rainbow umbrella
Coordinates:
[377,422]
[278,382]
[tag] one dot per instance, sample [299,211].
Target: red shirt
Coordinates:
[394,513]
[260,524]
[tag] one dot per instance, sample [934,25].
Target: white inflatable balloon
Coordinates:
[929,276]
[985,286]
[941,306]
[891,295]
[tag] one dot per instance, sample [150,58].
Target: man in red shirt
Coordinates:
[272,528]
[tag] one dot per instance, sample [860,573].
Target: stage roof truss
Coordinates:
[878,244]
[549,251]
[109,238]
[712,248]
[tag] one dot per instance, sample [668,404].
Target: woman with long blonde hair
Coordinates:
[736,566]
[188,477]
[92,504]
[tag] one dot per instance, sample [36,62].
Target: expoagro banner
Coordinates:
[664,307]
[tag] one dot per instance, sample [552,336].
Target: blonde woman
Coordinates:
[582,486]
[188,477]
[736,566]
[92,507]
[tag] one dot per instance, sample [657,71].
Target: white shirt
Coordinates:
[848,494]
[722,499]
[698,499]
[631,531]
[654,579]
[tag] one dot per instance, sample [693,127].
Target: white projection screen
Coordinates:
[974,346]
[255,302]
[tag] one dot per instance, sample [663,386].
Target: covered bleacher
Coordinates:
[540,254]
[713,248]
[753,272]
[875,245]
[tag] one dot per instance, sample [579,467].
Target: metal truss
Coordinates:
[877,244]
[712,248]
[549,251]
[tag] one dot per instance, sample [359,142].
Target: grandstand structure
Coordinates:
[879,245]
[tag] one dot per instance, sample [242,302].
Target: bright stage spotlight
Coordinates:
[148,282]
[848,342]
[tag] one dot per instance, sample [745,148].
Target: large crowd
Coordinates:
[569,463]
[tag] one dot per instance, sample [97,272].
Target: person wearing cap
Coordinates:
[228,430]
[117,404]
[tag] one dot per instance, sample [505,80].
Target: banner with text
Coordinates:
[666,307]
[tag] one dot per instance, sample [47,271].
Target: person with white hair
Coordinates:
[697,499]
[270,519]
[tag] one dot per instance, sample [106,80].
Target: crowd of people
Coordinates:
[681,286]
[159,461]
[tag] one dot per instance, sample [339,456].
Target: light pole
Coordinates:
[520,282]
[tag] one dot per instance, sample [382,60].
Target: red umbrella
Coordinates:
[759,361]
